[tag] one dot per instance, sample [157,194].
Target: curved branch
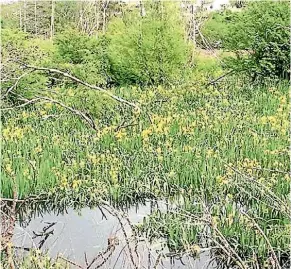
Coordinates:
[56,71]
[15,84]
[50,100]
[75,111]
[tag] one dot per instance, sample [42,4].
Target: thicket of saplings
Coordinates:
[218,150]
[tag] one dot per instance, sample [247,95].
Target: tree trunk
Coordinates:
[105,4]
[142,9]
[97,11]
[193,25]
[35,18]
[24,15]
[81,17]
[20,17]
[52,20]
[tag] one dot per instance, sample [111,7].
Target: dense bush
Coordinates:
[86,55]
[19,47]
[149,49]
[216,28]
[260,37]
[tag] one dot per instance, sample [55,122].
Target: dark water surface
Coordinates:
[74,235]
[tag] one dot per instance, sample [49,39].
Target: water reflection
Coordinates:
[96,238]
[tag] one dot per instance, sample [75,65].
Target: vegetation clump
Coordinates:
[150,49]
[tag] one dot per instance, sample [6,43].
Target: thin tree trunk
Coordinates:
[52,20]
[193,32]
[35,18]
[81,17]
[142,9]
[104,20]
[106,2]
[97,11]
[24,15]
[20,17]
[193,25]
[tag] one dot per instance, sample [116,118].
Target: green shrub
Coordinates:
[150,49]
[85,55]
[12,42]
[260,37]
[19,47]
[216,29]
[75,48]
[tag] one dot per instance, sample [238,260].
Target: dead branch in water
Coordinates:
[115,213]
[70,262]
[112,242]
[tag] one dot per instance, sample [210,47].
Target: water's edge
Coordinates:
[82,236]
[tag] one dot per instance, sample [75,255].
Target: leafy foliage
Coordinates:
[149,49]
[85,55]
[18,46]
[216,28]
[260,37]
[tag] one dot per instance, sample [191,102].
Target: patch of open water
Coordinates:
[87,233]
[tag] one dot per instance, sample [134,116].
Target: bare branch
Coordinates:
[219,78]
[256,225]
[50,100]
[71,262]
[28,102]
[115,213]
[75,111]
[52,70]
[283,204]
[15,84]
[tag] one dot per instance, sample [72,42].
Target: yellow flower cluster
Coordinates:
[222,180]
[113,172]
[64,183]
[93,158]
[277,151]
[9,169]
[76,183]
[280,121]
[13,133]
[120,135]
[101,133]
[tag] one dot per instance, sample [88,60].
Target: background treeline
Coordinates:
[146,43]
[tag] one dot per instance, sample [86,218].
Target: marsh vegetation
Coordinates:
[107,105]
